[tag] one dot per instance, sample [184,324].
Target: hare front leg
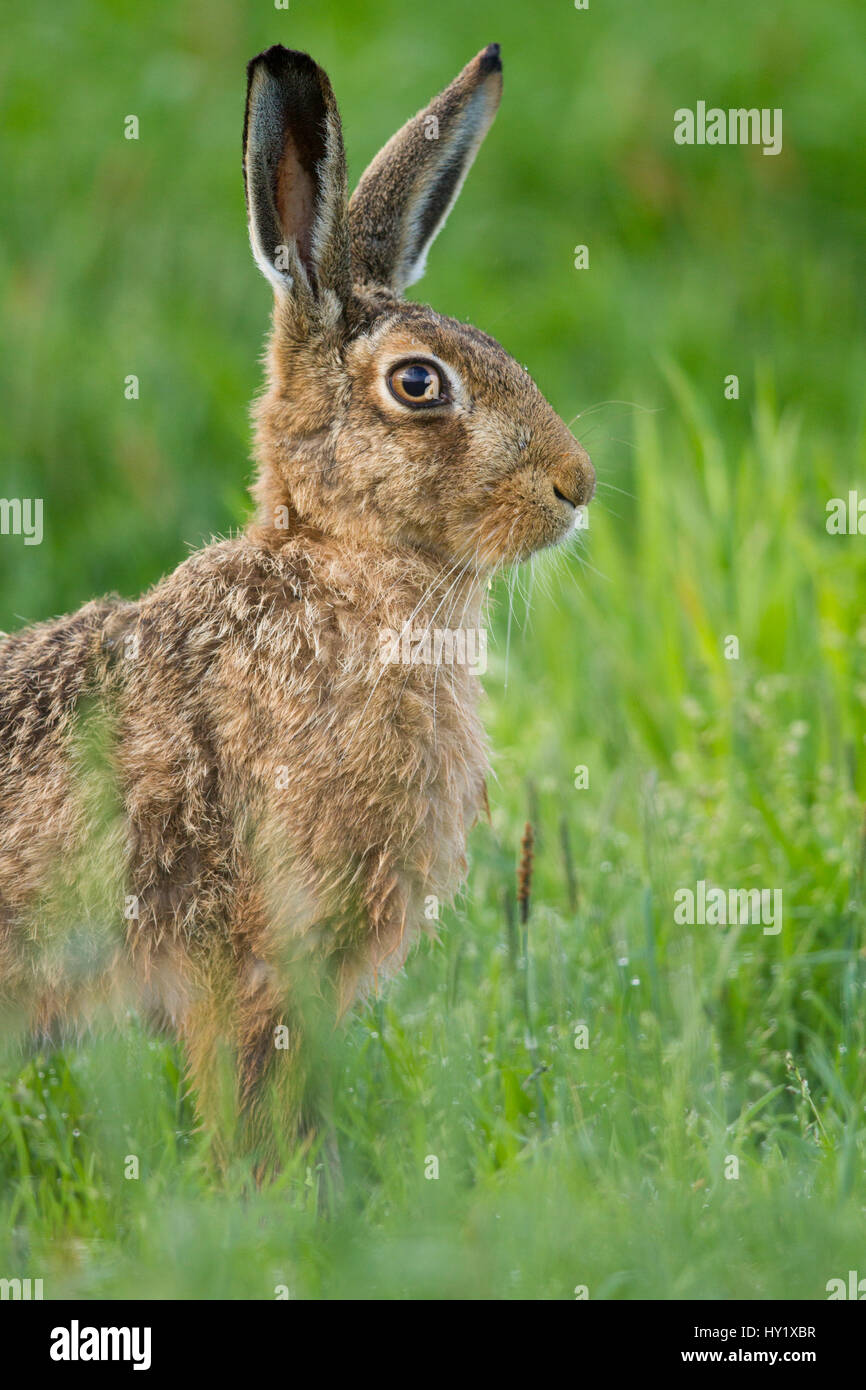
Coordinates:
[275,1100]
[257,1040]
[285,1045]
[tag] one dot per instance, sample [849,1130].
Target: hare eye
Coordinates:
[417,383]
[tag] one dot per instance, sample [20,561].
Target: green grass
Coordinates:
[559,1166]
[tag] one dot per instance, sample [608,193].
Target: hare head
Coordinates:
[384,423]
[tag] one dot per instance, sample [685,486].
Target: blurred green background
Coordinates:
[559,1167]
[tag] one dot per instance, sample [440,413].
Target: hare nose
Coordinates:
[574,478]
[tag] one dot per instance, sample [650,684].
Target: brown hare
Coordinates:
[232,779]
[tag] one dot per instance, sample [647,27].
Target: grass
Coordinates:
[559,1166]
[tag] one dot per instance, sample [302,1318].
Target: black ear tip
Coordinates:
[269,58]
[279,60]
[490,59]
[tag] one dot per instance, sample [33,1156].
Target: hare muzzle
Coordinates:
[573,480]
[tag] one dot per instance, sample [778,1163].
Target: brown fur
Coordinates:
[281,803]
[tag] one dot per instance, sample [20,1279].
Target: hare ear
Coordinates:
[295,176]
[406,194]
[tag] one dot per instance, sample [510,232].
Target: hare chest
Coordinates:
[353,778]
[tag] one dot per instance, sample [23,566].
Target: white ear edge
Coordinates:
[280,279]
[416,271]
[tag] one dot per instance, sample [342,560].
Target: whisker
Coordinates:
[631,405]
[612,487]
